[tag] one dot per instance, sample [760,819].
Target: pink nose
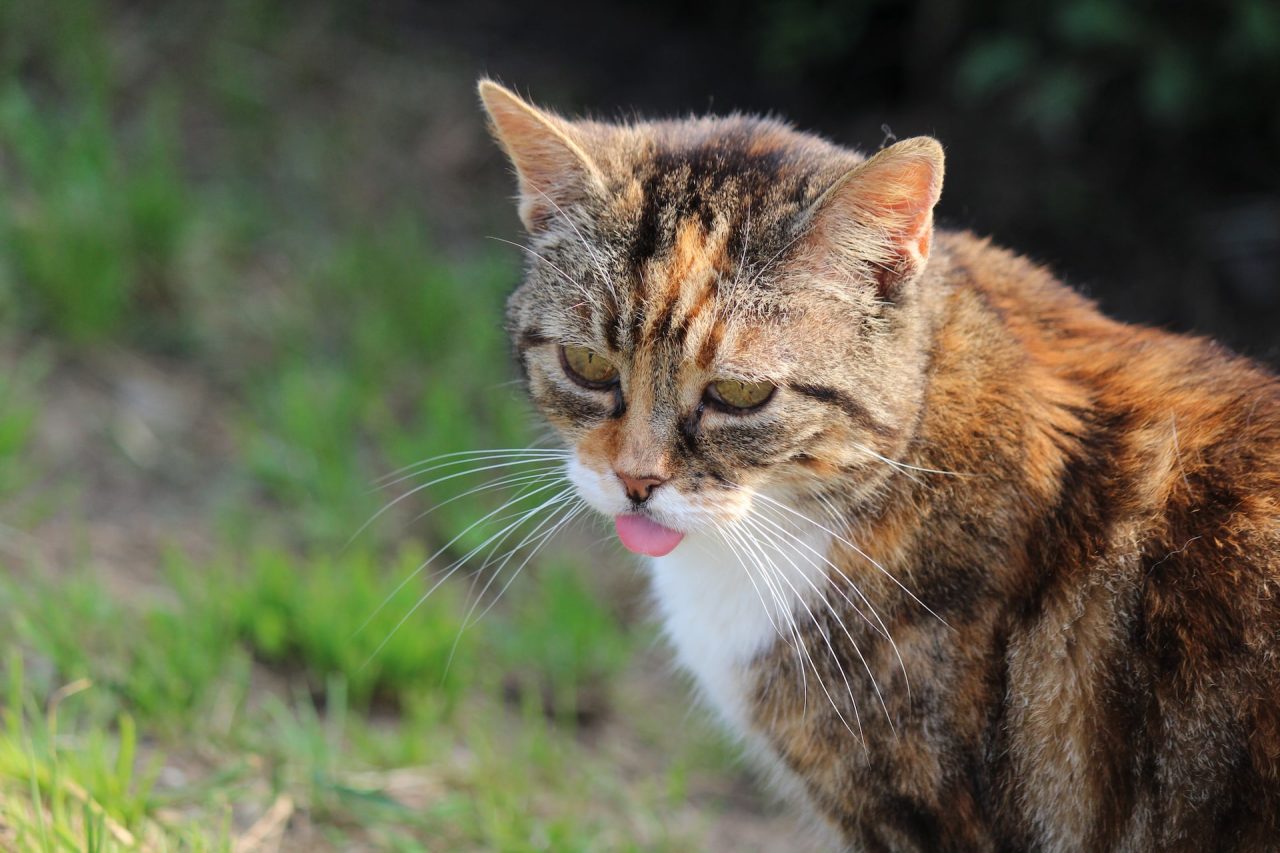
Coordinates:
[639,488]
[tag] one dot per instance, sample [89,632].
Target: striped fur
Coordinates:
[1064,532]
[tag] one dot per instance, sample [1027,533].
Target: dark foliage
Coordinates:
[1132,145]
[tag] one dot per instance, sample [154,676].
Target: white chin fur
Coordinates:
[719,608]
[717,619]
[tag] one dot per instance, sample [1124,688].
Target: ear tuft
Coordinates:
[880,213]
[552,167]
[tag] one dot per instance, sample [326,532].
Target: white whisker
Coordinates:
[856,550]
[604,276]
[416,489]
[443,548]
[457,564]
[563,275]
[878,626]
[836,616]
[797,642]
[778,573]
[576,508]
[727,539]
[906,468]
[520,479]
[446,460]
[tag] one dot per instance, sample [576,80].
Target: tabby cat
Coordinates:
[968,564]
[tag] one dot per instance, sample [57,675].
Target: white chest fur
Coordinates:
[721,609]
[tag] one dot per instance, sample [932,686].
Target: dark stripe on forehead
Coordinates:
[704,181]
[709,295]
[671,296]
[663,327]
[637,322]
[707,173]
[613,330]
[648,233]
[842,401]
[710,346]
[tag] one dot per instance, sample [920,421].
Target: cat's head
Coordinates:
[716,309]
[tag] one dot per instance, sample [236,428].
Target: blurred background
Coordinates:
[244,275]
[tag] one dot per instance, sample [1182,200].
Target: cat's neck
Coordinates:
[1008,400]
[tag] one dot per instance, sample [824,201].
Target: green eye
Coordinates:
[587,368]
[737,396]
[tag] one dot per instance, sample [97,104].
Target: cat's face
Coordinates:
[716,310]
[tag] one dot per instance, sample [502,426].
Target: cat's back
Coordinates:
[1172,394]
[1172,438]
[1148,466]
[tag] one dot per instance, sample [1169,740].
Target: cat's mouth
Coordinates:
[642,535]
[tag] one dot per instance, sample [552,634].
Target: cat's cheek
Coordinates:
[594,488]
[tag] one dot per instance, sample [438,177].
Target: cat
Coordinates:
[968,564]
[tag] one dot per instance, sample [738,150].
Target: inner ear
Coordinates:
[552,166]
[879,215]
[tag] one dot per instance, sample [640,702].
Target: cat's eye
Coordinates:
[587,367]
[739,397]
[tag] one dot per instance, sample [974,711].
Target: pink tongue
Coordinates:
[643,536]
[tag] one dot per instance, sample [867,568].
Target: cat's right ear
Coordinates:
[553,169]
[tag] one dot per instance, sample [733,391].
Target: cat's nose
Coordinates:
[639,488]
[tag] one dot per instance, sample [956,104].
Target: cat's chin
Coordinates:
[642,535]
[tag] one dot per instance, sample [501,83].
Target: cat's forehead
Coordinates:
[679,260]
[696,207]
[744,173]
[694,303]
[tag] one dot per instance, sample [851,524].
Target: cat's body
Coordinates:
[1111,577]
[986,570]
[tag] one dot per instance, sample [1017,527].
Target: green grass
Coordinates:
[19,414]
[93,234]
[350,616]
[160,663]
[574,644]
[75,746]
[85,786]
[172,191]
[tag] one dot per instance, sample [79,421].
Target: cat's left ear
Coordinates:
[879,215]
[552,166]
